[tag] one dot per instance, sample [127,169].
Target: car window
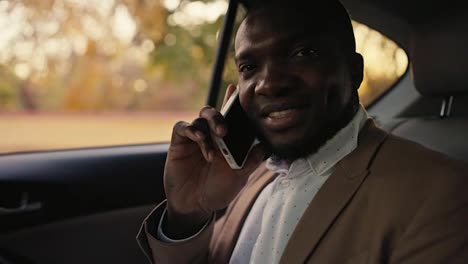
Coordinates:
[84,73]
[384,62]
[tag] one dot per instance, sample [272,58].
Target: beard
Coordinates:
[309,143]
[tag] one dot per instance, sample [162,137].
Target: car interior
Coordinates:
[86,205]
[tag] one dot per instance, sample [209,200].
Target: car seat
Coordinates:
[439,119]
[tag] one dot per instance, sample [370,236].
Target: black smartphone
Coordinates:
[240,137]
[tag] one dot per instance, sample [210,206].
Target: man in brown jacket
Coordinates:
[335,189]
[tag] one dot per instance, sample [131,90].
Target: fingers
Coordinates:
[181,133]
[200,131]
[229,91]
[215,119]
[210,122]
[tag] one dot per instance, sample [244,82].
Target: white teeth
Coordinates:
[280,114]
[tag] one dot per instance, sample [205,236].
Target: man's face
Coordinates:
[295,82]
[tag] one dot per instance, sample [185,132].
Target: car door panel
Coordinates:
[91,200]
[101,238]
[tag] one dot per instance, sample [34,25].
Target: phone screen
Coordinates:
[241,133]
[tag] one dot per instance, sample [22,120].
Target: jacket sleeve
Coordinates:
[194,250]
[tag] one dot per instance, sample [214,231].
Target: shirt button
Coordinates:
[285,183]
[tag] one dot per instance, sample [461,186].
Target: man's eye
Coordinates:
[246,67]
[306,52]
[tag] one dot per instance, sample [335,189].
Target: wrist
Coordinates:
[180,226]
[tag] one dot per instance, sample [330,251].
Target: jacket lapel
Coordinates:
[236,214]
[333,196]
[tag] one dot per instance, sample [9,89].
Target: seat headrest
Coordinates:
[440,57]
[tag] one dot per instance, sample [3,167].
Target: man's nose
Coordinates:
[273,80]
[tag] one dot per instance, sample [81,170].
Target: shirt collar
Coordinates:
[336,148]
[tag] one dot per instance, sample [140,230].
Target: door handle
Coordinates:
[25,206]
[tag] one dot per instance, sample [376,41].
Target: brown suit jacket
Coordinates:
[389,201]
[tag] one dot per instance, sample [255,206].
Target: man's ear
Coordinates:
[357,70]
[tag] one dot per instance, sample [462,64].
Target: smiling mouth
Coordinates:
[278,110]
[282,119]
[281,114]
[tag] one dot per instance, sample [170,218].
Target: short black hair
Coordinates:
[332,15]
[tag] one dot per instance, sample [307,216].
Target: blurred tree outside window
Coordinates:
[84,73]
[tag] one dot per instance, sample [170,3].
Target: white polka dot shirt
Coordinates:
[280,205]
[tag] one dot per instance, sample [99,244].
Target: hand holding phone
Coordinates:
[197,178]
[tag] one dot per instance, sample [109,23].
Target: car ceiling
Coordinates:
[412,11]
[397,18]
